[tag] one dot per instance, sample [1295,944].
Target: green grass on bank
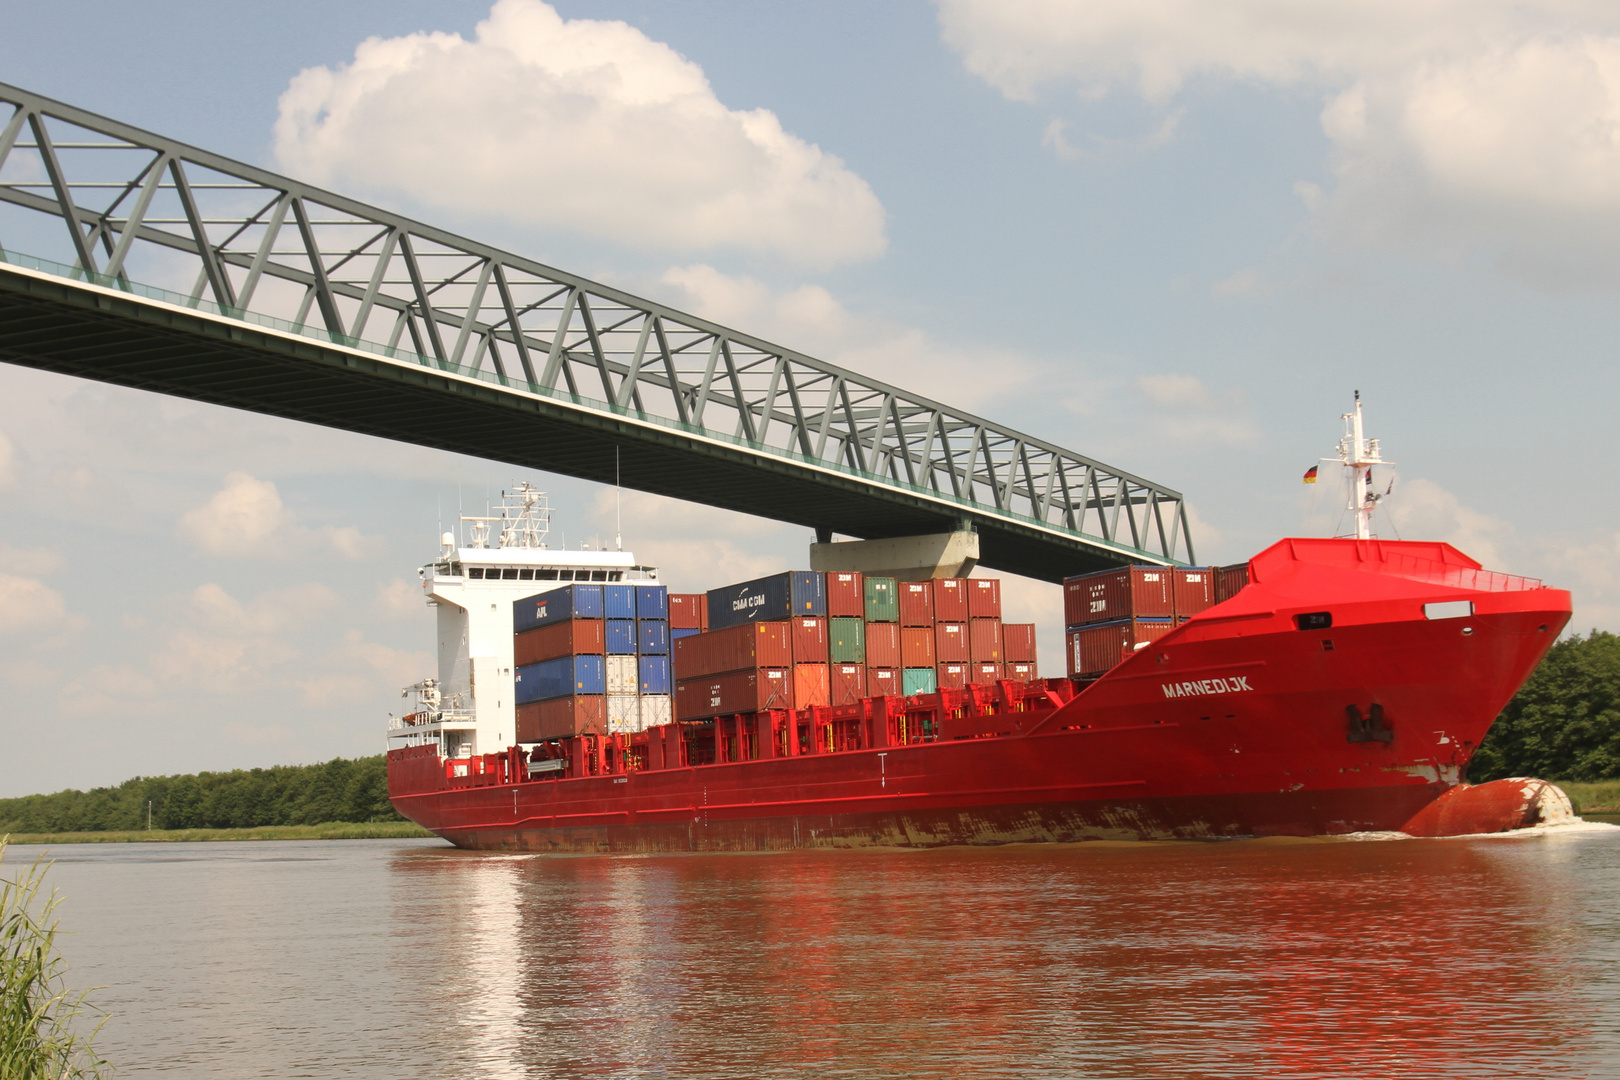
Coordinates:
[331,830]
[1594,797]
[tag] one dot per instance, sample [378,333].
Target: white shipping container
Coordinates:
[623,677]
[623,713]
[655,709]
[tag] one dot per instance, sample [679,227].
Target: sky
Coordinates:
[1173,236]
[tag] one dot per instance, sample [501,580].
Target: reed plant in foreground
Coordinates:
[39,1015]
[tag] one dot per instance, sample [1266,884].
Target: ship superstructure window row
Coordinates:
[512,573]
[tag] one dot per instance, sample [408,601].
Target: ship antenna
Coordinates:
[618,539]
[1358,455]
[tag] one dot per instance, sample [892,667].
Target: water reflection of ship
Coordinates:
[1257,958]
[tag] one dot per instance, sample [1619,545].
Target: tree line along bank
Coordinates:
[1564,724]
[338,790]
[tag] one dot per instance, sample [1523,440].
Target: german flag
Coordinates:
[1310,475]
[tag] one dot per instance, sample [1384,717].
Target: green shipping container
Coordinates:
[882,600]
[848,641]
[919,680]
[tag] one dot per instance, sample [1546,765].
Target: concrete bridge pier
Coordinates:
[905,558]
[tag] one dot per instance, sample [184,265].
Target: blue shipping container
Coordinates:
[780,596]
[558,605]
[652,637]
[619,601]
[652,602]
[654,674]
[559,678]
[676,635]
[621,636]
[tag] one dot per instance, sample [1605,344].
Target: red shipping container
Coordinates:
[951,643]
[733,692]
[1095,649]
[687,611]
[846,598]
[1018,642]
[1136,592]
[809,640]
[571,638]
[951,599]
[812,685]
[1230,580]
[984,641]
[984,598]
[1194,588]
[881,681]
[984,673]
[736,648]
[952,676]
[1020,672]
[916,647]
[848,684]
[916,603]
[559,718]
[883,645]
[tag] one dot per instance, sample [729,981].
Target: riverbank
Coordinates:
[1595,797]
[332,830]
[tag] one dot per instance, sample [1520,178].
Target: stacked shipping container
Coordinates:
[1112,613]
[591,659]
[843,638]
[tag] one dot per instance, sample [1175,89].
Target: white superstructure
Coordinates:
[468,709]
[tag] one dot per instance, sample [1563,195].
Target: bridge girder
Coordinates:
[302,302]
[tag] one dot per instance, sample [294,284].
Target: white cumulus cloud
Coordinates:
[1487,126]
[247,519]
[243,518]
[579,124]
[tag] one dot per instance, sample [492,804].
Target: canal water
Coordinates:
[1377,957]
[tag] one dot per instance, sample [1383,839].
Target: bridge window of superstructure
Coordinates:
[525,575]
[475,571]
[509,574]
[545,575]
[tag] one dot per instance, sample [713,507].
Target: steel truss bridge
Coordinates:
[308,305]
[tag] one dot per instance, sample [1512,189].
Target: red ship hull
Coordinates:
[1237,723]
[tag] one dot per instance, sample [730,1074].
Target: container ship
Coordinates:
[1326,686]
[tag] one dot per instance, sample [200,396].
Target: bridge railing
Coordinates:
[134,207]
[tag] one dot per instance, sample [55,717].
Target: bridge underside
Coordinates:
[56,325]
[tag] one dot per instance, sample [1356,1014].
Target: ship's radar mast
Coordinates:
[1358,455]
[523,521]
